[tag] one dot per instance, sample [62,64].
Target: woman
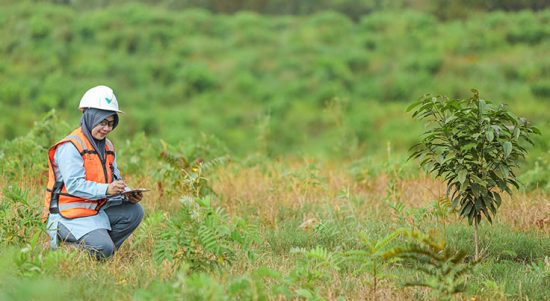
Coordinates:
[83,205]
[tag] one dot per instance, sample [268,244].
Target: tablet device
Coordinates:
[129,192]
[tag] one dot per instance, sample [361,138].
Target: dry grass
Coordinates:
[267,189]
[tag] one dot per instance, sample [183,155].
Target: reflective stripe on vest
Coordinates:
[109,145]
[82,205]
[79,140]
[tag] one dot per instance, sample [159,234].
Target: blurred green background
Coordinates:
[277,77]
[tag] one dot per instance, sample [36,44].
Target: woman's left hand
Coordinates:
[135,197]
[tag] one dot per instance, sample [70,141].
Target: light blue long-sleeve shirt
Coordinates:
[70,170]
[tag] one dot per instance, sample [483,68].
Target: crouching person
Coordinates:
[82,206]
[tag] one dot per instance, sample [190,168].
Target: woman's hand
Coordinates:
[116,187]
[135,197]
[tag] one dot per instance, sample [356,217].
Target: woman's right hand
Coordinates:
[116,187]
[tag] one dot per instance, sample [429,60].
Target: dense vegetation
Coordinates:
[311,84]
[276,148]
[355,9]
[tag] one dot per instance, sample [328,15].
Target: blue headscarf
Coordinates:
[90,119]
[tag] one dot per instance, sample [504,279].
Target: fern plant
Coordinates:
[203,236]
[313,267]
[208,286]
[374,257]
[186,175]
[444,270]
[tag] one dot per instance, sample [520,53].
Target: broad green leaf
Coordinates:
[503,170]
[462,176]
[478,180]
[413,105]
[493,208]
[454,203]
[468,147]
[489,135]
[466,209]
[516,132]
[487,215]
[476,191]
[507,146]
[498,199]
[479,205]
[482,106]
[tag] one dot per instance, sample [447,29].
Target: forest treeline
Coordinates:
[320,83]
[355,9]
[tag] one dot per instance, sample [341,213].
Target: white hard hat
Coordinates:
[100,97]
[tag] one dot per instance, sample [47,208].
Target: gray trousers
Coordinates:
[102,243]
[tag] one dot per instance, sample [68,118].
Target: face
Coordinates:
[103,128]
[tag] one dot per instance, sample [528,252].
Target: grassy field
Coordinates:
[276,150]
[273,229]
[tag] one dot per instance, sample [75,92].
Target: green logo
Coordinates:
[108,100]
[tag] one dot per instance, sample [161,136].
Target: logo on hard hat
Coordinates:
[108,100]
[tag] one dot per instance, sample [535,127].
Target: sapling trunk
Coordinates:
[375,282]
[476,240]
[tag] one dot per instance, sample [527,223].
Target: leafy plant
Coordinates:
[327,232]
[538,177]
[202,236]
[475,146]
[444,270]
[32,259]
[24,156]
[314,266]
[394,173]
[415,217]
[542,267]
[374,257]
[199,286]
[188,175]
[440,210]
[19,215]
[25,273]
[497,291]
[205,286]
[131,154]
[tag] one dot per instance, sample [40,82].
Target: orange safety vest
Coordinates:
[58,200]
